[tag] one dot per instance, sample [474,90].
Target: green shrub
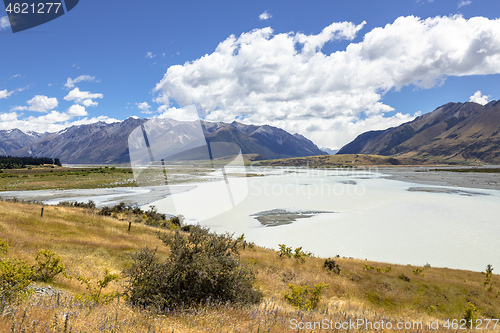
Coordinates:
[284,251]
[331,265]
[470,315]
[419,271]
[95,290]
[48,266]
[4,248]
[15,278]
[303,297]
[202,266]
[301,255]
[404,277]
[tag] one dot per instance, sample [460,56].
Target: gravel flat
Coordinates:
[426,175]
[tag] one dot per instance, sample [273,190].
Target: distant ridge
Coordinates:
[454,131]
[102,143]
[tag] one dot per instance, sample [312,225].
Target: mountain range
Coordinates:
[454,131]
[108,143]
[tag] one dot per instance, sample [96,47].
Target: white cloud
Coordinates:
[479,98]
[265,16]
[70,83]
[5,93]
[89,102]
[83,97]
[286,80]
[181,114]
[144,107]
[150,55]
[77,110]
[464,3]
[51,122]
[39,103]
[4,22]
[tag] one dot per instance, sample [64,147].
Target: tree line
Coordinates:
[15,162]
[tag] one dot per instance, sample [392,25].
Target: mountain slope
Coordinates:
[12,140]
[108,143]
[459,131]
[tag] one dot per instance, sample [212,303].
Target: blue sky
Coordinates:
[329,70]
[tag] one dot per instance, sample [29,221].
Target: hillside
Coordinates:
[89,244]
[102,143]
[350,160]
[454,131]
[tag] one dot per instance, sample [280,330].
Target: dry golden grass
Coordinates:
[90,244]
[357,160]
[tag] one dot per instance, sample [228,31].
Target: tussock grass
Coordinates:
[89,244]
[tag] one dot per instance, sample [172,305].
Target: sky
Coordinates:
[327,69]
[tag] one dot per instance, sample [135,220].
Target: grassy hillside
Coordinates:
[350,160]
[89,244]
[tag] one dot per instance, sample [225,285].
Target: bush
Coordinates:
[202,266]
[284,251]
[95,290]
[48,266]
[304,298]
[331,265]
[15,278]
[404,277]
[470,315]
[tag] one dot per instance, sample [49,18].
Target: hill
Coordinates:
[89,244]
[454,131]
[350,160]
[102,143]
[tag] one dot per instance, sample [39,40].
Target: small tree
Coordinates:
[96,294]
[303,297]
[48,266]
[470,315]
[202,266]
[331,265]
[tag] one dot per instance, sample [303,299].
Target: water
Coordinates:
[357,214]
[373,218]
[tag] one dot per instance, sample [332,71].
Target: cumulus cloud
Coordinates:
[150,55]
[39,103]
[144,107]
[286,80]
[70,83]
[182,114]
[479,98]
[4,22]
[5,93]
[77,110]
[51,122]
[464,3]
[82,97]
[265,16]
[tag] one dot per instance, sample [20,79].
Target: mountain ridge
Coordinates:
[108,143]
[454,131]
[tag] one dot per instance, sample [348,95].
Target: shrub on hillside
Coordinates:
[202,266]
[303,297]
[48,266]
[15,278]
[331,265]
